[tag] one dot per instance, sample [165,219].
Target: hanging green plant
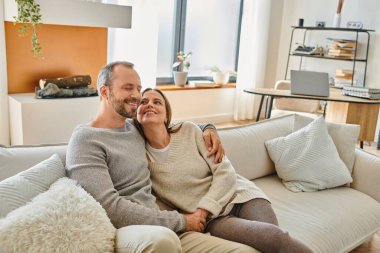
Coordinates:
[29,17]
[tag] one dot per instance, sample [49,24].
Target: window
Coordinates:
[209,29]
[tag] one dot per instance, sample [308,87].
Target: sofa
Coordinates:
[332,220]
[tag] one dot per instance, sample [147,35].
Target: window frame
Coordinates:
[179,41]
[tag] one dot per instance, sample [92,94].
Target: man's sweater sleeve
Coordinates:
[223,184]
[204,126]
[87,165]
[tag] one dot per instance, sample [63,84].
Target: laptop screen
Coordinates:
[309,83]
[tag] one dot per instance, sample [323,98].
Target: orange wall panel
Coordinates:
[67,50]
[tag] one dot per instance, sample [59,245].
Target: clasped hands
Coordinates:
[197,220]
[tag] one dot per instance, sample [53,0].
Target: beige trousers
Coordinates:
[149,239]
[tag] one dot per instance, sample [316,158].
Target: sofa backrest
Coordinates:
[16,159]
[245,148]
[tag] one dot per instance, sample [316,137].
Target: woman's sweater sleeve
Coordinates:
[223,185]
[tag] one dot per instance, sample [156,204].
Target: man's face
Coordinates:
[125,91]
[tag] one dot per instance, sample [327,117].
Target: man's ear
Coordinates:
[104,92]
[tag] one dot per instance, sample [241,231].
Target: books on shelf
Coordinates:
[343,77]
[342,43]
[344,72]
[342,48]
[344,82]
[363,92]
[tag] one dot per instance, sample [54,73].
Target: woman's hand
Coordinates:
[203,213]
[214,145]
[195,222]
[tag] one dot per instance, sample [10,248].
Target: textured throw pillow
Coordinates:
[307,160]
[63,219]
[344,136]
[19,189]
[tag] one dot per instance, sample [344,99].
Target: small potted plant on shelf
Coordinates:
[221,76]
[183,65]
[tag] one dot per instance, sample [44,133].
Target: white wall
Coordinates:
[206,105]
[366,11]
[274,42]
[4,119]
[138,44]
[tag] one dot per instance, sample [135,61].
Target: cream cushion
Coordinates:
[19,189]
[331,221]
[307,160]
[344,136]
[63,219]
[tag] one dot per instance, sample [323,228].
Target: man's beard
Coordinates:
[119,106]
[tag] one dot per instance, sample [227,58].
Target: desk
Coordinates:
[340,109]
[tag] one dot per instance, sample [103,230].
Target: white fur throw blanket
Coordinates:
[63,219]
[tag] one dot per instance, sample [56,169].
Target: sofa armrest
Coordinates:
[366,174]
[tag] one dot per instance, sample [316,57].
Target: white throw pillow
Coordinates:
[19,189]
[344,136]
[63,219]
[307,160]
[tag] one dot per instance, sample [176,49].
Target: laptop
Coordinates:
[309,83]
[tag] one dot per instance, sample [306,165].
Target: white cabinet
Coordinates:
[47,121]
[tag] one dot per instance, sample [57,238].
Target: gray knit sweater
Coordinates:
[188,180]
[111,165]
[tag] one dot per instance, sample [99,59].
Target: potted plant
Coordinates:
[29,17]
[183,65]
[221,76]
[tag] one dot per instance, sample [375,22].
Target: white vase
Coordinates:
[180,78]
[221,77]
[337,19]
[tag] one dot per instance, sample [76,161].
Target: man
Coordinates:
[107,157]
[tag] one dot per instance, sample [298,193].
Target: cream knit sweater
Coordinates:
[188,180]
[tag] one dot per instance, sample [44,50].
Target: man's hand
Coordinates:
[213,144]
[203,213]
[194,222]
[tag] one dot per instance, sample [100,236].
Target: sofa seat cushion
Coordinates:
[330,221]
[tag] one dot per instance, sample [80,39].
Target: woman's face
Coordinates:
[151,109]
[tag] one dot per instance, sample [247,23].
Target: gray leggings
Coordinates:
[254,223]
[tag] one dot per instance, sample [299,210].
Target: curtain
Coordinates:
[252,55]
[4,118]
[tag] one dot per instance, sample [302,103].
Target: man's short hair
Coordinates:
[105,74]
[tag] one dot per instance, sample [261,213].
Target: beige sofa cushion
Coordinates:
[344,136]
[327,221]
[307,160]
[244,145]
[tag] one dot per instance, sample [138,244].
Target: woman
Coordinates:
[185,179]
